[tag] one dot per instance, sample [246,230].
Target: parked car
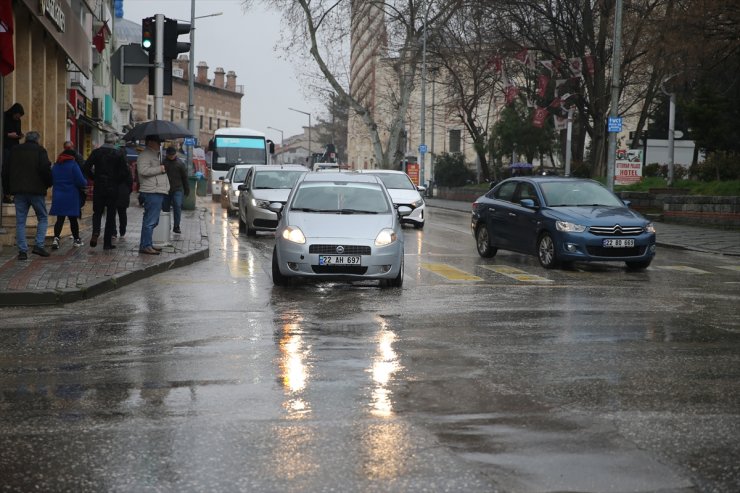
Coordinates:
[263,186]
[403,192]
[561,220]
[339,226]
[230,187]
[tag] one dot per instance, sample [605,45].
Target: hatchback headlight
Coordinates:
[385,237]
[569,227]
[294,234]
[418,203]
[262,204]
[650,228]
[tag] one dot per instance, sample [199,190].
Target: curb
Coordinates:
[70,295]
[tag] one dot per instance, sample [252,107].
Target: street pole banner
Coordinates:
[628,167]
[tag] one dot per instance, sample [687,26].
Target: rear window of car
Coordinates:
[396,181]
[505,191]
[334,197]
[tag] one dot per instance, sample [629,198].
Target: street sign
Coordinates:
[615,124]
[189,141]
[422,148]
[130,64]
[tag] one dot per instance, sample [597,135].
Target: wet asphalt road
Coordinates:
[479,375]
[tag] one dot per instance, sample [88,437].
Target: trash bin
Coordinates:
[188,201]
[161,234]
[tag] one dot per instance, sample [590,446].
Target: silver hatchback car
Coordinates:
[262,186]
[339,226]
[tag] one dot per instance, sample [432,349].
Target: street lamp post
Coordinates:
[191,85]
[282,150]
[310,154]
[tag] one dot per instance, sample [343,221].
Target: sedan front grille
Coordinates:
[616,230]
[332,249]
[339,269]
[597,251]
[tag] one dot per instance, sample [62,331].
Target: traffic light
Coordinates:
[173,29]
[149,34]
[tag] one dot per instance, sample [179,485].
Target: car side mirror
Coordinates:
[528,203]
[226,180]
[404,210]
[276,207]
[243,187]
[627,203]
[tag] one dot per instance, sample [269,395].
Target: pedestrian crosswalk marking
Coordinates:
[731,267]
[449,272]
[515,273]
[682,268]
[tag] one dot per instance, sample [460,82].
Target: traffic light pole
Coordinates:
[159,68]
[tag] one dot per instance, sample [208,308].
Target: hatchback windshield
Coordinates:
[396,181]
[568,193]
[276,179]
[346,198]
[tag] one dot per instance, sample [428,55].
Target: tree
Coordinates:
[325,25]
[514,135]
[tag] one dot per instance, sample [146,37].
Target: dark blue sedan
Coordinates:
[561,220]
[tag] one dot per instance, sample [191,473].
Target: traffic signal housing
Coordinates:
[149,34]
[172,30]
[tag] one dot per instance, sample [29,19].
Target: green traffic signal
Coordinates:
[148,32]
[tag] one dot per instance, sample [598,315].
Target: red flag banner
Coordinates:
[576,66]
[521,57]
[511,93]
[538,119]
[7,59]
[495,62]
[555,103]
[590,68]
[542,81]
[548,65]
[99,38]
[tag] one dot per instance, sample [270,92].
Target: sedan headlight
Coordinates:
[262,204]
[569,227]
[418,203]
[226,187]
[650,228]
[294,234]
[385,237]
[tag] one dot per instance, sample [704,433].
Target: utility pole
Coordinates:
[159,68]
[569,142]
[422,133]
[191,88]
[616,76]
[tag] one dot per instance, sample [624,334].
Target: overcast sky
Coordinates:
[246,44]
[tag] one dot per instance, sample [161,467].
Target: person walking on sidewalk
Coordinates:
[67,179]
[69,146]
[12,137]
[153,188]
[177,174]
[107,168]
[28,177]
[122,203]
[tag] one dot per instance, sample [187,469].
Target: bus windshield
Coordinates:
[231,150]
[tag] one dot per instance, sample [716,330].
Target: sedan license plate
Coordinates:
[340,260]
[619,243]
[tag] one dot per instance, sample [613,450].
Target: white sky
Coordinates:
[245,43]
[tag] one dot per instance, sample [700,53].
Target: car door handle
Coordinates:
[511,214]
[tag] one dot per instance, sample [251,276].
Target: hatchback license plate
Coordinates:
[619,243]
[340,260]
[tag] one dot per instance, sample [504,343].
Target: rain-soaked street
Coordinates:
[478,375]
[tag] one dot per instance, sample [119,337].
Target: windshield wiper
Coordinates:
[308,209]
[355,211]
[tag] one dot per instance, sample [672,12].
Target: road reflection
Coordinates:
[293,369]
[385,365]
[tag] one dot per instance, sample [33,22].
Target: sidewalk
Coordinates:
[696,238]
[72,274]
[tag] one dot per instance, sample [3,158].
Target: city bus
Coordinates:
[231,146]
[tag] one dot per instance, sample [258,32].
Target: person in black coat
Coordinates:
[11,138]
[107,167]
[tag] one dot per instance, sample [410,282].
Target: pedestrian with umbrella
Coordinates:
[153,188]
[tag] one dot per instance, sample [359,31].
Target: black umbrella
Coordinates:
[164,129]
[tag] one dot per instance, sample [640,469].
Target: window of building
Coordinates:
[182,114]
[149,112]
[218,123]
[201,122]
[454,141]
[210,123]
[172,115]
[226,124]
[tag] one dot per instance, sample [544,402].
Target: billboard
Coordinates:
[628,167]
